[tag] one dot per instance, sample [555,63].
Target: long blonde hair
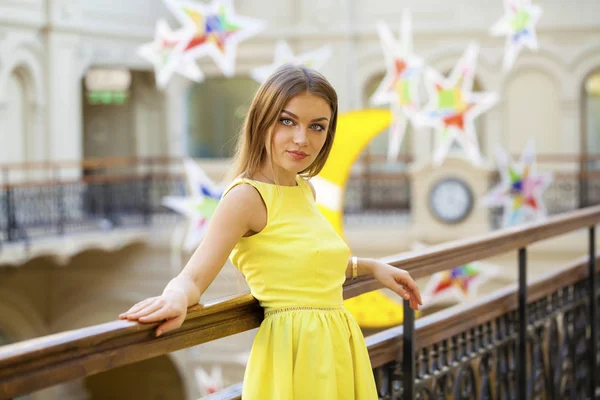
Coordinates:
[286,82]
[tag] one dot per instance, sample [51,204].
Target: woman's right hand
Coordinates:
[170,307]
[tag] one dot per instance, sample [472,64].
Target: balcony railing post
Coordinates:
[11,217]
[408,353]
[593,314]
[60,203]
[522,343]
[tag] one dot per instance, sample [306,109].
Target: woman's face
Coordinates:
[300,132]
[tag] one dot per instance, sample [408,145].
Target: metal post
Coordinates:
[408,352]
[522,346]
[60,204]
[593,314]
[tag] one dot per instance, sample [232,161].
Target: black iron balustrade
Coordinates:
[99,199]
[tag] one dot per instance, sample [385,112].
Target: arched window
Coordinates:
[592,113]
[216,111]
[590,185]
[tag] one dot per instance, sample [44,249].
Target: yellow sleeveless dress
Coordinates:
[308,346]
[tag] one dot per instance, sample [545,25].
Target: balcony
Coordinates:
[536,339]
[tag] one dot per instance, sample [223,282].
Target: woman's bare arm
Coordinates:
[240,212]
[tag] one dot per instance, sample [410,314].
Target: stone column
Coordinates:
[177,119]
[67,62]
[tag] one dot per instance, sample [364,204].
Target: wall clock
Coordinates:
[450,200]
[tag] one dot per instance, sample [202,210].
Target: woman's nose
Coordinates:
[300,136]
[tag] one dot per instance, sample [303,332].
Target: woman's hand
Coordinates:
[170,307]
[399,281]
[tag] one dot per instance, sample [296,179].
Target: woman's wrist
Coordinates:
[367,266]
[364,266]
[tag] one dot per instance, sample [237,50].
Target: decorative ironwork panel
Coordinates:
[480,363]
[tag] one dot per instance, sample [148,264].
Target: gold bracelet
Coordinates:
[354,267]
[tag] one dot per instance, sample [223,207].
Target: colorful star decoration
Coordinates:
[518,25]
[207,30]
[209,383]
[199,207]
[399,87]
[283,54]
[457,285]
[160,54]
[521,189]
[453,107]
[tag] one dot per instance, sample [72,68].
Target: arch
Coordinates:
[19,320]
[585,63]
[537,92]
[19,55]
[104,301]
[543,61]
[157,377]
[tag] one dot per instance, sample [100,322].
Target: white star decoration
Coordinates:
[199,206]
[453,107]
[160,54]
[399,87]
[207,30]
[521,189]
[209,383]
[283,54]
[518,25]
[217,30]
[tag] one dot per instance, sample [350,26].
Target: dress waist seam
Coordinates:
[271,312]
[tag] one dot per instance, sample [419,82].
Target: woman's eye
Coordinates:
[318,128]
[286,121]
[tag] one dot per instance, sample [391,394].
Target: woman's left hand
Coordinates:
[399,281]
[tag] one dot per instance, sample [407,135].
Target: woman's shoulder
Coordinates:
[311,186]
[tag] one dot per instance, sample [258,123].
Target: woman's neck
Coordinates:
[284,178]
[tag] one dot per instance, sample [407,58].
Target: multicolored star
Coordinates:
[215,31]
[518,25]
[199,207]
[399,87]
[207,30]
[160,53]
[453,107]
[456,285]
[283,54]
[521,189]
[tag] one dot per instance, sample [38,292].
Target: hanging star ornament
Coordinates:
[458,284]
[521,189]
[518,25]
[209,383]
[160,53]
[453,107]
[199,206]
[207,30]
[314,59]
[216,30]
[399,87]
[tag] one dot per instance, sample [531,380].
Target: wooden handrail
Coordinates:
[34,364]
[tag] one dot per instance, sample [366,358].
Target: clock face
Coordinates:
[451,200]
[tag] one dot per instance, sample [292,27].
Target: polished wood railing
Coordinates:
[409,360]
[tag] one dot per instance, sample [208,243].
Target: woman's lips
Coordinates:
[297,155]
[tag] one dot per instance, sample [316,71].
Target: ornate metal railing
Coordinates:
[58,198]
[44,199]
[528,341]
[473,352]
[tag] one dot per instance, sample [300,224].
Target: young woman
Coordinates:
[308,346]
